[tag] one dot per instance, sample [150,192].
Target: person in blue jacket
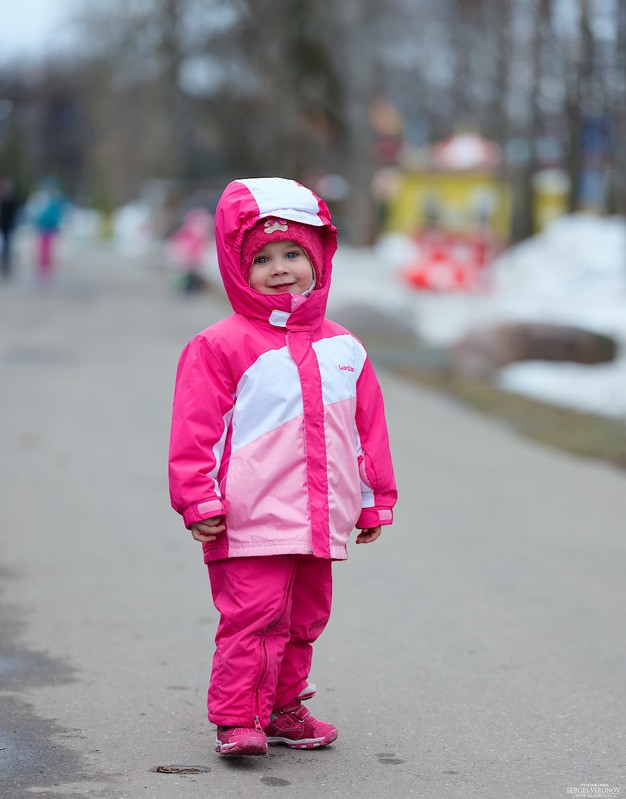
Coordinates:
[48,208]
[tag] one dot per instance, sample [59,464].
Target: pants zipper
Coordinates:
[277,620]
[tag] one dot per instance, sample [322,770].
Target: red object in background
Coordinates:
[448,263]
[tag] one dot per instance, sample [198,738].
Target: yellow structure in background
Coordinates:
[551,188]
[459,202]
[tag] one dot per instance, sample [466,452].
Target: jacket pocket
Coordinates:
[367,473]
[223,494]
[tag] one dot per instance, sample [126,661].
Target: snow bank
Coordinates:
[573,273]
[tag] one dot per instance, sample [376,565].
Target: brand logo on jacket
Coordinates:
[346,368]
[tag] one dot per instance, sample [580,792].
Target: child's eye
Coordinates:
[261,259]
[293,254]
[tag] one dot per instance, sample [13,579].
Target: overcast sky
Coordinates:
[31,27]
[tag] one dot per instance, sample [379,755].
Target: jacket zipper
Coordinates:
[277,620]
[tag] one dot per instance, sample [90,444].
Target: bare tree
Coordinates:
[197,90]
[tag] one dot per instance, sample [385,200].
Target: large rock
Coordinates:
[480,352]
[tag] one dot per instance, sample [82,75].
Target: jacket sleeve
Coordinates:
[203,403]
[378,485]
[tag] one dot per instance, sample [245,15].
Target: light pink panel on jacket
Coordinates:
[344,493]
[271,512]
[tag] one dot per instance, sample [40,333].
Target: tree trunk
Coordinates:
[356,24]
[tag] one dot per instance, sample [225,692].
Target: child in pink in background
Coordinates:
[188,247]
[279,449]
[48,209]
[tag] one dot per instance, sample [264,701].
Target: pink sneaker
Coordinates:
[295,727]
[240,741]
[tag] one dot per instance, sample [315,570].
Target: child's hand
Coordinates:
[367,535]
[208,529]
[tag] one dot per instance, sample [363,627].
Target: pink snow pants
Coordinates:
[46,240]
[272,609]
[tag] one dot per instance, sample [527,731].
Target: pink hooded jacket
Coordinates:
[278,418]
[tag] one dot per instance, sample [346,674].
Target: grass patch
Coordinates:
[577,432]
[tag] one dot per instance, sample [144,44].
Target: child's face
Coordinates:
[281,266]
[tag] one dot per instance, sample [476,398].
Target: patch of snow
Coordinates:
[574,273]
[598,388]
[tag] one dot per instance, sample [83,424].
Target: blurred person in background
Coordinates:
[187,247]
[9,207]
[47,209]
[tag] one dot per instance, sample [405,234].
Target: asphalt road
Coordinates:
[476,650]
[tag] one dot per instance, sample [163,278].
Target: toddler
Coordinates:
[279,449]
[188,246]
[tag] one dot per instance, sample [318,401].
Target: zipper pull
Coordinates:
[257,724]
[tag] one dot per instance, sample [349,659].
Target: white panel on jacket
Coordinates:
[341,360]
[284,198]
[218,452]
[268,395]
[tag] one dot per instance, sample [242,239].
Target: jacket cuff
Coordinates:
[372,517]
[201,511]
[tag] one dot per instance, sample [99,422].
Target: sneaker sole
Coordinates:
[308,743]
[251,748]
[308,692]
